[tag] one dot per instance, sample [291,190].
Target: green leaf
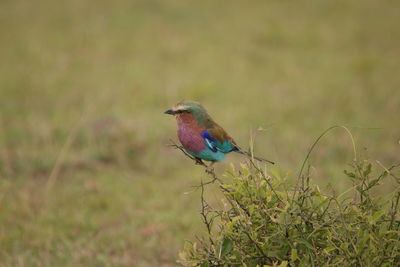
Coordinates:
[375,217]
[283,264]
[293,256]
[272,253]
[205,264]
[304,242]
[373,182]
[367,170]
[275,172]
[226,247]
[349,174]
[329,249]
[322,203]
[182,255]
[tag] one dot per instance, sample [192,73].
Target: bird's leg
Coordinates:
[210,168]
[199,161]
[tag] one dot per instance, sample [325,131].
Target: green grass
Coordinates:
[86,83]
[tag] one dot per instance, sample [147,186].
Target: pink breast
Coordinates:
[191,139]
[189,133]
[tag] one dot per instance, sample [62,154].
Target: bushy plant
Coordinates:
[266,222]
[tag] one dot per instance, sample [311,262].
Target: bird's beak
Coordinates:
[170,112]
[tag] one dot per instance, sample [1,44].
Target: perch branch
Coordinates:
[197,161]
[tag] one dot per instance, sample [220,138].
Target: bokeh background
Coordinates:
[87,178]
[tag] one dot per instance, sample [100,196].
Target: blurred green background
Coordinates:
[87,178]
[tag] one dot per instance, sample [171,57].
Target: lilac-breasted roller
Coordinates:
[200,135]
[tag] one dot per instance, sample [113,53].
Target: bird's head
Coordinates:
[189,109]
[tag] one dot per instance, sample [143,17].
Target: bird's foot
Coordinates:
[210,169]
[198,161]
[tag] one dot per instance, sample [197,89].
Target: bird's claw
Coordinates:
[210,170]
[198,161]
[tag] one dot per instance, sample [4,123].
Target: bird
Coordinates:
[201,137]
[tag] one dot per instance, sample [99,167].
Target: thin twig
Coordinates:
[204,212]
[197,162]
[266,180]
[389,172]
[313,146]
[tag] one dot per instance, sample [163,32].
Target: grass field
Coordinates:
[87,178]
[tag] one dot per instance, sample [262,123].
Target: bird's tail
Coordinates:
[254,157]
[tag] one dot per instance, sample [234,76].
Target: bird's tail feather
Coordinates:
[254,157]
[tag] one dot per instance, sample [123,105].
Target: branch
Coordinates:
[204,212]
[397,179]
[197,162]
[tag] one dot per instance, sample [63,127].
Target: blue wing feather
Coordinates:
[210,141]
[214,145]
